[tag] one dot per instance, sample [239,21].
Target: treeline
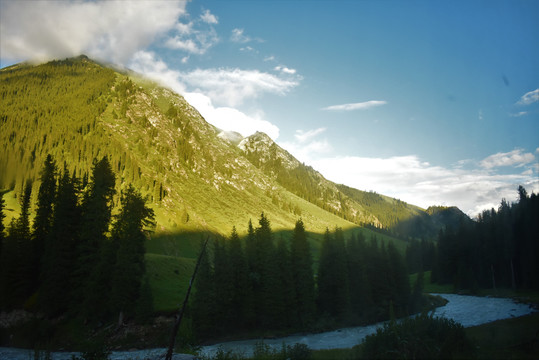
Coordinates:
[69,109]
[500,249]
[77,258]
[260,283]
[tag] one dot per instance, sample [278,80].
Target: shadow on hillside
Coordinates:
[187,244]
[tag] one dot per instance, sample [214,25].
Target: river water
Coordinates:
[467,310]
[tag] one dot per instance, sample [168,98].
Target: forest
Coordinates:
[499,250]
[272,284]
[82,256]
[77,258]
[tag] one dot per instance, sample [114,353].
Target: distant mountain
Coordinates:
[196,176]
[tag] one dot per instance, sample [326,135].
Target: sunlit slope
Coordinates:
[78,110]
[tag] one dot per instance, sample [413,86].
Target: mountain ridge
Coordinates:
[196,176]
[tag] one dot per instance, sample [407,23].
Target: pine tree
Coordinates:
[223,287]
[96,216]
[286,311]
[302,273]
[129,268]
[242,296]
[44,214]
[360,294]
[400,285]
[2,216]
[266,299]
[59,259]
[333,288]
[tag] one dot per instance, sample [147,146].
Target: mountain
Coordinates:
[197,177]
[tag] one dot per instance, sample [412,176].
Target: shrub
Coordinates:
[422,337]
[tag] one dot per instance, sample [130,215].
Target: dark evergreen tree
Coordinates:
[499,249]
[242,297]
[129,269]
[303,277]
[400,285]
[286,310]
[44,215]
[2,216]
[360,293]
[59,259]
[333,290]
[96,216]
[265,297]
[223,287]
[20,275]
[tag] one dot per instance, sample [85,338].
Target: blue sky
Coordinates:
[432,102]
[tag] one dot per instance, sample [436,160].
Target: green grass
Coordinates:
[169,278]
[332,354]
[515,338]
[430,287]
[12,208]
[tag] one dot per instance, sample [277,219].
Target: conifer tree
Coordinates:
[333,290]
[360,296]
[242,300]
[59,259]
[400,285]
[286,311]
[19,234]
[129,268]
[266,299]
[44,214]
[96,216]
[2,216]
[223,287]
[303,277]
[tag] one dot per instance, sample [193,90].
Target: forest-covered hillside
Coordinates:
[78,110]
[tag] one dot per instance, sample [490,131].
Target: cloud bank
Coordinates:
[471,185]
[228,87]
[106,30]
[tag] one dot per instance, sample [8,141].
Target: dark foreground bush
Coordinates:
[422,337]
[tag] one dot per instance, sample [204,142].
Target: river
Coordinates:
[467,310]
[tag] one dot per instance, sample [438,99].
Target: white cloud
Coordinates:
[231,87]
[356,106]
[225,118]
[238,36]
[420,183]
[269,58]
[107,30]
[195,42]
[230,119]
[285,70]
[209,18]
[305,151]
[303,136]
[184,29]
[529,98]
[305,147]
[146,63]
[516,157]
[519,114]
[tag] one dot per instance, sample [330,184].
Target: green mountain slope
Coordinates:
[196,177]
[78,110]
